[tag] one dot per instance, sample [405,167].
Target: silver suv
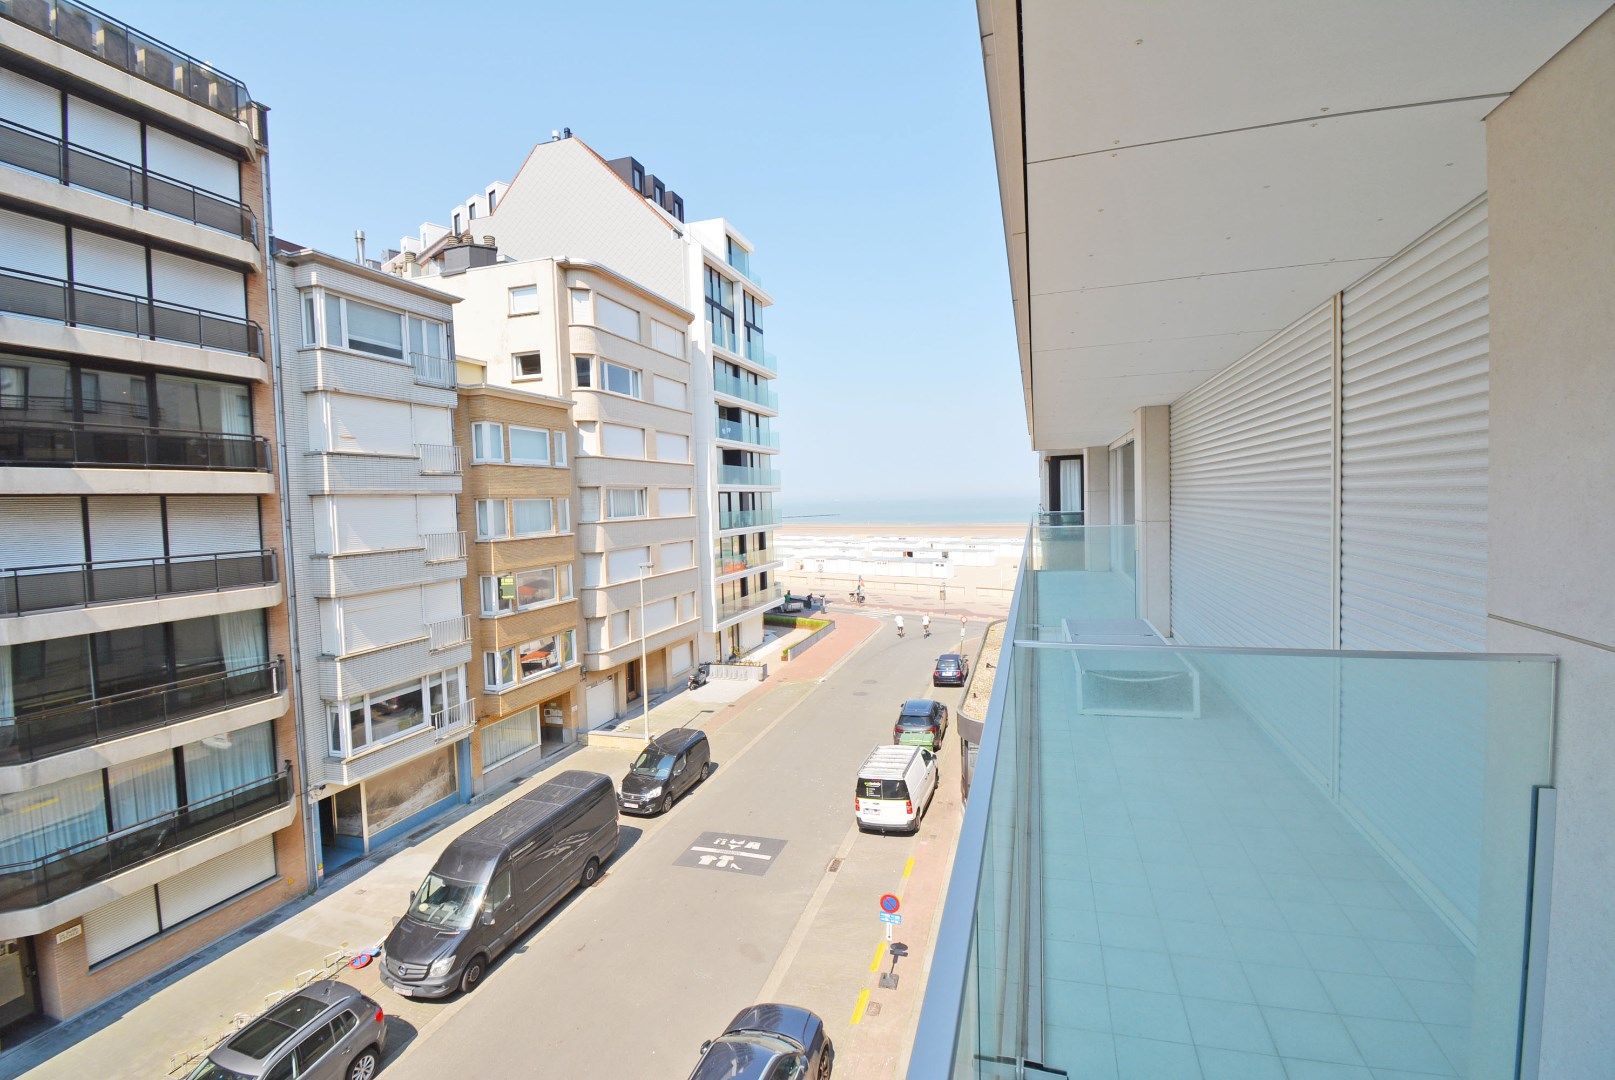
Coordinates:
[325,1031]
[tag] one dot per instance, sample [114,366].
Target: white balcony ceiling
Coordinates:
[1199,175]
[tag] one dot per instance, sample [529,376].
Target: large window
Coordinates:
[524,300]
[491,519]
[619,379]
[518,664]
[673,502]
[506,738]
[56,392]
[538,517]
[720,309]
[487,442]
[376,718]
[374,330]
[349,324]
[754,322]
[522,590]
[529,446]
[625,502]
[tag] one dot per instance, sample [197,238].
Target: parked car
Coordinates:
[895,786]
[951,670]
[497,879]
[326,1031]
[921,722]
[768,1042]
[793,603]
[673,763]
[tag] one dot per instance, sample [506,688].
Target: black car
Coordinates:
[921,722]
[673,763]
[951,670]
[765,1042]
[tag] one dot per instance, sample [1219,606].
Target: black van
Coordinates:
[673,763]
[496,880]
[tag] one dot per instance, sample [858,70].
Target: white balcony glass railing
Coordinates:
[444,547]
[735,387]
[438,460]
[748,474]
[433,370]
[747,519]
[759,355]
[734,431]
[1329,836]
[752,601]
[447,633]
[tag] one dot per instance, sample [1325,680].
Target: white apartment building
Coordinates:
[147,744]
[378,559]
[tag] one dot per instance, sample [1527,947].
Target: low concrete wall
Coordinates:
[742,672]
[817,628]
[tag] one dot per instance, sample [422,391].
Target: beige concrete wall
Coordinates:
[1551,177]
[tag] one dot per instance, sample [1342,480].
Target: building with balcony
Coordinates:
[573,292]
[521,591]
[1297,757]
[378,555]
[735,441]
[146,735]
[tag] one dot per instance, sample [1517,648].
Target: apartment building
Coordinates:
[735,441]
[572,289]
[147,741]
[521,590]
[1299,760]
[378,562]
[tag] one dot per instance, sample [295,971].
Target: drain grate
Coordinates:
[835,864]
[872,1009]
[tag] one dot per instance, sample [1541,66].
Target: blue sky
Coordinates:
[848,141]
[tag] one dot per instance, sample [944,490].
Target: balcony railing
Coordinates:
[447,633]
[734,431]
[438,460]
[41,297]
[742,561]
[57,730]
[444,547]
[84,28]
[748,474]
[1294,812]
[453,718]
[747,519]
[39,881]
[79,166]
[760,356]
[730,608]
[46,442]
[724,383]
[32,589]
[740,259]
[433,370]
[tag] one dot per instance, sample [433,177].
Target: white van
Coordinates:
[895,786]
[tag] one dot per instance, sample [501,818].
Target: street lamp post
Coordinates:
[644,666]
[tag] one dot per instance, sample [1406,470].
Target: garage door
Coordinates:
[600,700]
[216,880]
[680,658]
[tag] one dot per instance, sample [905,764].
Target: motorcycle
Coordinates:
[699,676]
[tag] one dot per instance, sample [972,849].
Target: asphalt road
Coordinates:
[628,978]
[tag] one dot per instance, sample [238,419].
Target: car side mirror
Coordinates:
[412,896]
[706,1046]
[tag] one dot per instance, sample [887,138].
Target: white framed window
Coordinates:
[532,517]
[619,319]
[529,446]
[487,441]
[491,519]
[673,502]
[618,379]
[659,615]
[499,669]
[593,571]
[426,338]
[311,328]
[524,590]
[524,300]
[505,668]
[625,503]
[384,715]
[671,447]
[583,371]
[374,330]
[619,440]
[559,440]
[525,367]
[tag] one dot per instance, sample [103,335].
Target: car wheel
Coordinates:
[364,1066]
[706,771]
[666,803]
[591,873]
[472,974]
[827,1060]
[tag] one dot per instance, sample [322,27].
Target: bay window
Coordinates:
[522,590]
[529,446]
[379,717]
[518,664]
[491,520]
[487,442]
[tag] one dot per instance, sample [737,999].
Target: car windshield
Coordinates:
[771,1040]
[441,902]
[212,1070]
[654,763]
[948,662]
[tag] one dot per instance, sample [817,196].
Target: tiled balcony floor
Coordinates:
[1208,913]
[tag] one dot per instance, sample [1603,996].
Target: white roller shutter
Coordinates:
[373,523]
[440,601]
[1253,494]
[107,263]
[32,245]
[435,514]
[204,525]
[1413,446]
[103,130]
[659,615]
[600,702]
[40,532]
[192,164]
[190,283]
[369,425]
[31,104]
[680,658]
[111,929]
[125,527]
[434,427]
[369,622]
[216,880]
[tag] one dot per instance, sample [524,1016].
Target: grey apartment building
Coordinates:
[147,746]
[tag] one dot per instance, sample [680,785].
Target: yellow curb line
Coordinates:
[858,1010]
[880,954]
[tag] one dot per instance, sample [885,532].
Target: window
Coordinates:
[529,446]
[625,502]
[582,365]
[679,555]
[559,438]
[671,447]
[378,717]
[487,442]
[619,319]
[499,890]
[471,211]
[720,302]
[619,379]
[504,739]
[523,590]
[524,300]
[374,330]
[426,338]
[673,502]
[664,338]
[456,229]
[658,192]
[493,200]
[580,305]
[526,366]
[528,661]
[638,175]
[754,323]
[491,523]
[311,330]
[316,1046]
[499,669]
[618,440]
[13,387]
[624,564]
[670,392]
[532,517]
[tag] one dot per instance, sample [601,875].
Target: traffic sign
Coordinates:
[889,903]
[893,920]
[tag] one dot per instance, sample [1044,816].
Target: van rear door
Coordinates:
[883,802]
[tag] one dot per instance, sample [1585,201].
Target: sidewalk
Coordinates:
[154,1028]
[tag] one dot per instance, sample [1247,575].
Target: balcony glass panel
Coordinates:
[747,519]
[757,393]
[735,431]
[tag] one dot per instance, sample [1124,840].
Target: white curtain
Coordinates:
[241,638]
[225,762]
[43,820]
[7,702]
[141,790]
[509,737]
[237,411]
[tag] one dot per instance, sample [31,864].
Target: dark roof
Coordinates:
[677,740]
[950,656]
[918,706]
[470,855]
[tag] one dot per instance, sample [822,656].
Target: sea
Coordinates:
[969,510]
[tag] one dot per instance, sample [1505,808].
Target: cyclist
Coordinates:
[925,623]
[900,626]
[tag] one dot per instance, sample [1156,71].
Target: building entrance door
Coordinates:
[19,984]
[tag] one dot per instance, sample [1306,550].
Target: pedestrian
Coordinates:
[925,624]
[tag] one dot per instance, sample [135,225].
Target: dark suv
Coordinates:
[921,722]
[673,763]
[326,1031]
[951,670]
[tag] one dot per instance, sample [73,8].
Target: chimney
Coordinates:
[487,241]
[358,245]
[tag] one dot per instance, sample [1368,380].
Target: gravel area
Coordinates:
[983,672]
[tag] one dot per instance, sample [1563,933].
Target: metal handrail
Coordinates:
[136,189]
[76,304]
[452,716]
[444,547]
[447,633]
[28,589]
[121,45]
[438,459]
[433,370]
[31,882]
[39,442]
